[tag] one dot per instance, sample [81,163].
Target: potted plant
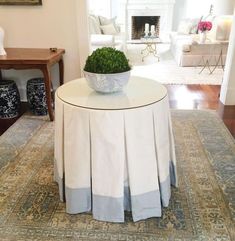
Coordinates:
[107,70]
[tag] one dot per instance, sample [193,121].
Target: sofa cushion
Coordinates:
[94,25]
[102,40]
[184,27]
[109,29]
[107,21]
[188,26]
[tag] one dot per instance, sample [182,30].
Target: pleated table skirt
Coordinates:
[110,161]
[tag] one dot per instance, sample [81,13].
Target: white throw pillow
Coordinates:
[102,40]
[188,26]
[185,27]
[109,29]
[106,21]
[194,27]
[94,25]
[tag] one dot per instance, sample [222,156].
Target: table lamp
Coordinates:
[223,27]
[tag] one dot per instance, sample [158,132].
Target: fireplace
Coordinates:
[138,25]
[163,9]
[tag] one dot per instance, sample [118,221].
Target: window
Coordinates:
[101,7]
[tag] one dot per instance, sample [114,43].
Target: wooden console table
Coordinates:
[30,58]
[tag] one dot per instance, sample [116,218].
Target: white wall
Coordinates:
[198,8]
[227,96]
[100,7]
[115,7]
[82,32]
[179,12]
[223,7]
[54,24]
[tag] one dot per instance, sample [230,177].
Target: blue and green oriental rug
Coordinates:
[202,208]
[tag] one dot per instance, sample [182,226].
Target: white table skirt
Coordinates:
[108,161]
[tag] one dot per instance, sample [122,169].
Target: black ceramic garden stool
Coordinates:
[36,96]
[9,99]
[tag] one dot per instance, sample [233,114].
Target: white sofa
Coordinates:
[105,32]
[187,49]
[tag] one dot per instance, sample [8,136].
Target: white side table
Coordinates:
[150,47]
[114,152]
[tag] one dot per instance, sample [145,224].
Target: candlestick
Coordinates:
[146,29]
[152,28]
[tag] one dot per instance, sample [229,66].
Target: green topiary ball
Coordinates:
[107,60]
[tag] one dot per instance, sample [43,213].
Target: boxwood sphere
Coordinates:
[107,60]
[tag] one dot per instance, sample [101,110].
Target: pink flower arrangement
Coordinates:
[204,26]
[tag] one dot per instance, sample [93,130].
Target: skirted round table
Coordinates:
[114,152]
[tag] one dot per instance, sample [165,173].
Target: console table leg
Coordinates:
[220,60]
[47,80]
[0,75]
[61,69]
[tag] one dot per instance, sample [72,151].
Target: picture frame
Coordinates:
[20,2]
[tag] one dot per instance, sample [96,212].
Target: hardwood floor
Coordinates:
[180,97]
[227,114]
[201,97]
[194,96]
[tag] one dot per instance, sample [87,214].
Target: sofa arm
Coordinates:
[186,47]
[102,40]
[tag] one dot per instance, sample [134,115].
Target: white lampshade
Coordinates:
[223,27]
[2,51]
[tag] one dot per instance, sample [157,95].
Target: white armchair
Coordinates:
[105,32]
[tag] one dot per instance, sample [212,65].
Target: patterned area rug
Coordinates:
[202,208]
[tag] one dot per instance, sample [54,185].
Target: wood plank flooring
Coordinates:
[180,97]
[201,97]
[194,96]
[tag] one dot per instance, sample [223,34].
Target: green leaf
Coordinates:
[107,60]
